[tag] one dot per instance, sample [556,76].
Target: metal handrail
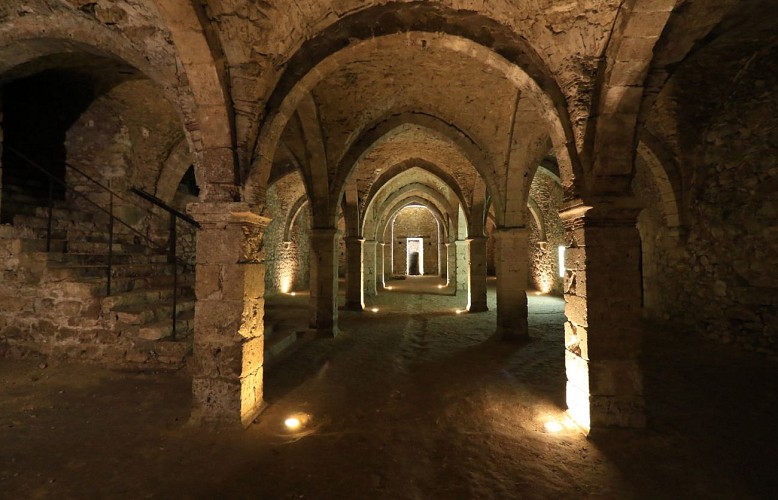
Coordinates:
[173,259]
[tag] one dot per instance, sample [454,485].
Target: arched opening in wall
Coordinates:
[415,241]
[40,104]
[93,157]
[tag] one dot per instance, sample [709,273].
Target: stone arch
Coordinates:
[431,196]
[667,188]
[384,128]
[294,213]
[537,214]
[303,76]
[391,210]
[213,133]
[177,163]
[406,166]
[611,136]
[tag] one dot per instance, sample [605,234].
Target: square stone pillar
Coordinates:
[388,264]
[229,330]
[451,265]
[324,282]
[476,275]
[511,265]
[603,307]
[381,264]
[355,273]
[462,266]
[442,259]
[369,267]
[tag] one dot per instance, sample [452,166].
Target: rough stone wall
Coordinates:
[719,274]
[416,222]
[122,141]
[46,315]
[286,256]
[543,257]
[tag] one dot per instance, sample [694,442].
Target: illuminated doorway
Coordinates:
[414,256]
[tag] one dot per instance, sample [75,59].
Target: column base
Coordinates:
[220,409]
[354,306]
[477,308]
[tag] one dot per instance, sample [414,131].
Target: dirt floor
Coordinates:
[411,401]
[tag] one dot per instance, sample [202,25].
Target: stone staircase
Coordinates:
[73,314]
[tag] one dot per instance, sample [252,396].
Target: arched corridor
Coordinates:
[391,206]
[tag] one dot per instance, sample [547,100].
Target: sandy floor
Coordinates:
[412,401]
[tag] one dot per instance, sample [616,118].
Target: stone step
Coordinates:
[161,354]
[146,296]
[80,246]
[64,213]
[34,221]
[59,271]
[163,329]
[37,245]
[117,259]
[143,314]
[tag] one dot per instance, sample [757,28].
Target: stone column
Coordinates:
[380,259]
[451,265]
[387,262]
[462,267]
[324,282]
[355,296]
[477,274]
[442,259]
[511,265]
[602,305]
[370,269]
[229,330]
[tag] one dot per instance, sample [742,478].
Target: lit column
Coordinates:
[355,297]
[388,262]
[442,259]
[476,275]
[370,268]
[229,331]
[381,263]
[462,267]
[324,282]
[451,265]
[511,263]
[602,305]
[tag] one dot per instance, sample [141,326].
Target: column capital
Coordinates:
[602,210]
[224,213]
[353,239]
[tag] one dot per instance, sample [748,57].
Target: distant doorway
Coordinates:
[414,260]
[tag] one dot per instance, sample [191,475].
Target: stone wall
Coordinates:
[286,255]
[543,254]
[718,272]
[416,222]
[45,315]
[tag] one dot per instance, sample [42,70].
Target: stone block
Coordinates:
[218,360]
[216,400]
[577,371]
[576,310]
[222,246]
[614,411]
[218,318]
[615,378]
[208,282]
